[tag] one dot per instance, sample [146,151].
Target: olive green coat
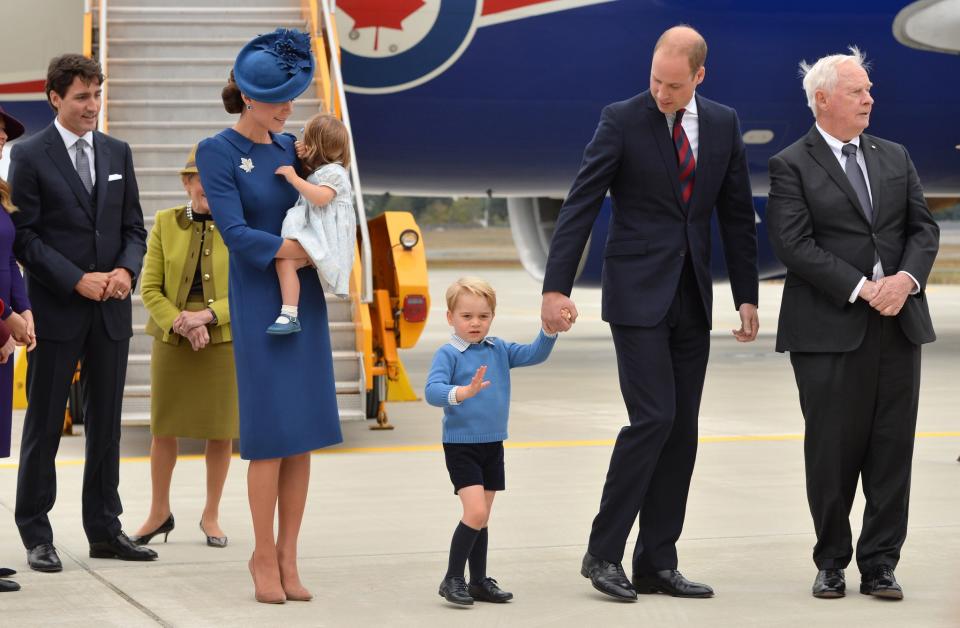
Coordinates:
[168,268]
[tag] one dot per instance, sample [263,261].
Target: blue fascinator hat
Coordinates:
[276,67]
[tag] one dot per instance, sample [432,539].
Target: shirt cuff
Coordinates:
[856,291]
[452,397]
[916,284]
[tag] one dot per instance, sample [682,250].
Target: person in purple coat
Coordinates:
[16,319]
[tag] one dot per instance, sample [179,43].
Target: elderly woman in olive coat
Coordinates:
[193,383]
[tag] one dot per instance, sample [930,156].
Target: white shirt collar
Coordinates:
[69,137]
[689,109]
[462,345]
[835,144]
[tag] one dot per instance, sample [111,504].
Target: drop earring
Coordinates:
[249,107]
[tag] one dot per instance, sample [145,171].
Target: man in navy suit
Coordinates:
[668,157]
[81,239]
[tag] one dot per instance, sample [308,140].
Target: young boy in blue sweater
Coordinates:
[475,413]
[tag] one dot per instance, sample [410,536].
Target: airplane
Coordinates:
[499,97]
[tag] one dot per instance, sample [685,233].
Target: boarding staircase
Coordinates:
[165,67]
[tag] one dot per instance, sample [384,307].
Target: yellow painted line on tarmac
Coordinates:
[545,444]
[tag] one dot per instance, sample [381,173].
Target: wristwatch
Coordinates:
[215,320]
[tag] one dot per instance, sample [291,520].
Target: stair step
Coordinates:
[163,88]
[222,4]
[164,12]
[197,26]
[176,131]
[196,110]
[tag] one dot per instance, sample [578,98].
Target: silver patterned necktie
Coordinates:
[857,180]
[83,165]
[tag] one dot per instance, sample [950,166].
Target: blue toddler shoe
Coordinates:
[285,324]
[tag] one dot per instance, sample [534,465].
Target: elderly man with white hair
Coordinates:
[847,217]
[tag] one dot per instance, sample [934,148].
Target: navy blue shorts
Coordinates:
[470,464]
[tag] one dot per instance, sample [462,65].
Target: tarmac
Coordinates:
[381,511]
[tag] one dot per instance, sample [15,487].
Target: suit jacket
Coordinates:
[63,232]
[821,234]
[172,253]
[651,232]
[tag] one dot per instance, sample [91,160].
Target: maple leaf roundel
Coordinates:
[392,45]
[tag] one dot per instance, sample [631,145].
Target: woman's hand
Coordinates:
[7,349]
[188,321]
[22,331]
[287,172]
[199,338]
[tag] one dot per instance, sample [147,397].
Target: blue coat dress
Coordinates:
[14,296]
[288,402]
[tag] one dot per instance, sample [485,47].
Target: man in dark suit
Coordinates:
[668,157]
[847,217]
[81,239]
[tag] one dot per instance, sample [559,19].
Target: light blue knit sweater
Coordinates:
[483,417]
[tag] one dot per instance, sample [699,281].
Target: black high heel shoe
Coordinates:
[165,529]
[213,541]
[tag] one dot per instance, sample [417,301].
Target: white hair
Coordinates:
[823,74]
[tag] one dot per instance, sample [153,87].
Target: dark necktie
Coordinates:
[857,180]
[83,165]
[685,161]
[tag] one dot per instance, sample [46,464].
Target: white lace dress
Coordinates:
[328,233]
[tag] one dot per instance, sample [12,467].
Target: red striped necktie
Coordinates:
[685,160]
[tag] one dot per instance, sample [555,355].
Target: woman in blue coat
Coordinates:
[15,314]
[285,384]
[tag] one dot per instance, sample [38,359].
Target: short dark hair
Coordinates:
[63,69]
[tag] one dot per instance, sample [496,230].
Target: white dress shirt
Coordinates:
[690,123]
[70,141]
[836,147]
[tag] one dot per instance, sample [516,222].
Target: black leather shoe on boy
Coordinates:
[454,590]
[671,582]
[487,590]
[607,577]
[881,583]
[44,557]
[121,547]
[830,583]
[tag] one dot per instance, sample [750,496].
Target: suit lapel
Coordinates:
[822,154]
[101,153]
[57,152]
[658,126]
[871,157]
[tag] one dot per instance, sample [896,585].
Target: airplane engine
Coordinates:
[532,221]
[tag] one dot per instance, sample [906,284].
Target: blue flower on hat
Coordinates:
[291,48]
[275,67]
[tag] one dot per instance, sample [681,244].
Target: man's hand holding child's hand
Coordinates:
[476,385]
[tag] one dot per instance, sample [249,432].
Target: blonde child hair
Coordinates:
[473,285]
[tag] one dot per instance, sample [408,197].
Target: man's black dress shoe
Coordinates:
[454,589]
[881,583]
[8,586]
[44,557]
[830,583]
[487,590]
[607,577]
[6,572]
[164,528]
[121,547]
[671,582]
